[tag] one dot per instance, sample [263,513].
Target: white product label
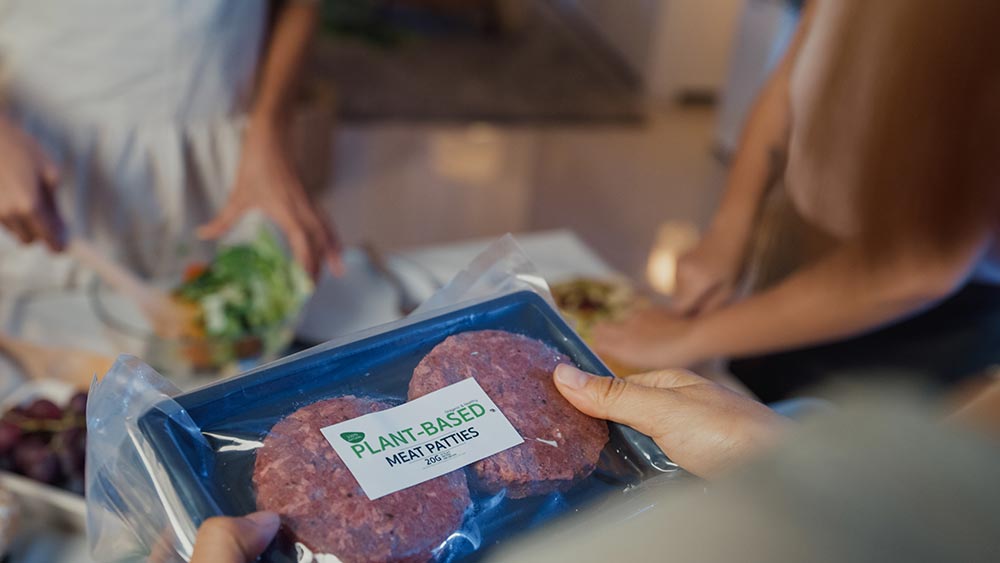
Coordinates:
[391,450]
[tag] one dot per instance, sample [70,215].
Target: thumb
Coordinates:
[235,540]
[612,398]
[222,222]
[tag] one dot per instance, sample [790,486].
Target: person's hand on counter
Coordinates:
[703,426]
[235,540]
[648,338]
[267,180]
[28,180]
[707,274]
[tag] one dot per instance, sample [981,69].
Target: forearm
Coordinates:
[752,168]
[289,41]
[765,133]
[835,298]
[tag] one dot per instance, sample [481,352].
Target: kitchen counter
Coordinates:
[65,318]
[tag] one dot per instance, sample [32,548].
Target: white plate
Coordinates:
[361,298]
[44,503]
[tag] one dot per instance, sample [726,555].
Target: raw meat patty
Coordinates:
[299,475]
[561,444]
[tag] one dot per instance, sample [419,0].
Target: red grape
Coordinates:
[44,409]
[10,435]
[78,404]
[33,458]
[45,469]
[37,448]
[72,450]
[26,451]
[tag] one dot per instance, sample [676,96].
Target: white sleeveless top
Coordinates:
[140,103]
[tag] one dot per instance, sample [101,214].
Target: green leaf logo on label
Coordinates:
[353,437]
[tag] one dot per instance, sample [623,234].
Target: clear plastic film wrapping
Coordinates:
[159,462]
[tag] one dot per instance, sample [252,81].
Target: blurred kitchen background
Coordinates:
[460,119]
[594,130]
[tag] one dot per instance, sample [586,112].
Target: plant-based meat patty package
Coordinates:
[435,438]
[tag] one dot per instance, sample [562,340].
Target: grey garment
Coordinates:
[800,408]
[878,481]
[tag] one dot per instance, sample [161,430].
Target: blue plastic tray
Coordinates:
[235,414]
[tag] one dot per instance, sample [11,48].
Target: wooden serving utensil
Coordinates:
[170,318]
[71,365]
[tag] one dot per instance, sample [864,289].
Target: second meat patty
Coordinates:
[561,444]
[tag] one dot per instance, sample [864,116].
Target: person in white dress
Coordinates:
[149,126]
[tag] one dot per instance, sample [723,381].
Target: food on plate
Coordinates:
[46,442]
[241,298]
[561,444]
[298,475]
[588,301]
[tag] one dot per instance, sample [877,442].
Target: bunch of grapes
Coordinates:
[45,442]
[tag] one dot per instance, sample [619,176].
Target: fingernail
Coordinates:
[264,519]
[570,376]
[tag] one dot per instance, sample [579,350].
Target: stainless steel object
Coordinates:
[407,301]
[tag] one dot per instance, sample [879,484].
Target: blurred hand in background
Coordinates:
[649,338]
[267,180]
[708,274]
[28,180]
